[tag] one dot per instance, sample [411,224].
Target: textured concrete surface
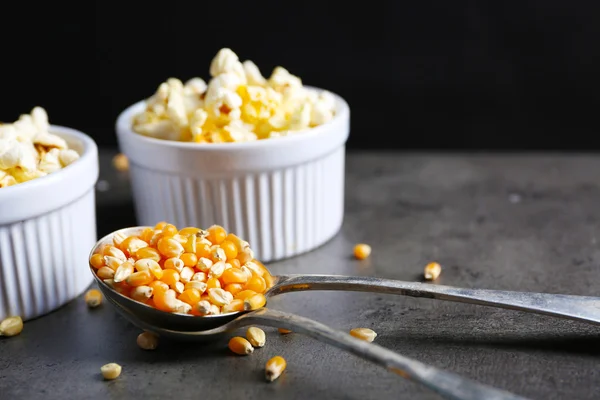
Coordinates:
[501,222]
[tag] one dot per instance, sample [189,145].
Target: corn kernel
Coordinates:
[203,249]
[214,309]
[432,271]
[240,346]
[234,275]
[212,283]
[147,341]
[284,331]
[178,287]
[216,234]
[203,307]
[199,286]
[191,246]
[256,284]
[256,336]
[169,230]
[158,286]
[362,251]
[112,262]
[234,288]
[236,305]
[364,334]
[11,326]
[217,254]
[105,273]
[139,278]
[148,264]
[190,296]
[244,294]
[141,293]
[97,261]
[182,307]
[114,252]
[254,267]
[245,255]
[111,371]
[132,244]
[160,225]
[123,272]
[170,247]
[189,230]
[217,269]
[166,301]
[118,238]
[186,274]
[255,302]
[93,298]
[120,162]
[204,264]
[274,368]
[189,259]
[219,297]
[230,249]
[149,253]
[235,263]
[170,276]
[147,234]
[174,263]
[199,277]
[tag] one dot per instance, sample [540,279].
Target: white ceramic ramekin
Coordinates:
[47,228]
[284,195]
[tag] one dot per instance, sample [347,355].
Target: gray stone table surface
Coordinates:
[513,222]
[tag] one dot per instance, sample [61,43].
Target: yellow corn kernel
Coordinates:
[284,331]
[110,371]
[234,288]
[114,252]
[123,272]
[362,251]
[257,284]
[274,368]
[189,259]
[189,230]
[212,283]
[147,341]
[142,293]
[216,234]
[255,302]
[219,297]
[169,230]
[120,162]
[160,225]
[364,334]
[236,305]
[217,269]
[204,264]
[178,287]
[190,245]
[199,277]
[245,255]
[203,307]
[112,262]
[93,298]
[254,268]
[139,278]
[147,234]
[240,346]
[215,310]
[97,261]
[174,263]
[217,253]
[11,326]
[170,247]
[148,264]
[256,336]
[186,274]
[148,252]
[432,271]
[105,273]
[244,294]
[165,301]
[181,307]
[119,238]
[199,286]
[132,244]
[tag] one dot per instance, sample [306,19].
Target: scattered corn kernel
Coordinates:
[362,251]
[190,271]
[147,341]
[121,162]
[284,331]
[93,298]
[432,271]
[111,371]
[274,368]
[256,336]
[240,346]
[364,334]
[11,326]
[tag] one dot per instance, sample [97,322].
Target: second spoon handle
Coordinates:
[447,384]
[581,308]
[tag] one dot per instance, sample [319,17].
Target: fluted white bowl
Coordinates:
[283,195]
[47,228]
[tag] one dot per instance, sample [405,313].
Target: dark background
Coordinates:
[417,74]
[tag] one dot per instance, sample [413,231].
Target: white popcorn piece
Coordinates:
[50,161]
[253,75]
[176,110]
[195,86]
[301,117]
[226,61]
[281,80]
[323,109]
[49,140]
[40,119]
[161,129]
[240,132]
[197,121]
[67,157]
[223,101]
[6,179]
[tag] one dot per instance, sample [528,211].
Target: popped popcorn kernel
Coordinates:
[238,104]
[28,150]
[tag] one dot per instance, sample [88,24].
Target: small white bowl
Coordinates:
[47,228]
[283,195]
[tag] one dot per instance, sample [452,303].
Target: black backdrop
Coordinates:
[417,74]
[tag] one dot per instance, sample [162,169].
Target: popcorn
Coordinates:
[237,105]
[28,150]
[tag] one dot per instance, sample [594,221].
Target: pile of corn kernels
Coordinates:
[237,105]
[187,271]
[28,150]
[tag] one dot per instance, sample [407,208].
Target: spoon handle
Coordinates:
[581,308]
[447,384]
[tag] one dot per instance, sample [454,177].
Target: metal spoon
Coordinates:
[188,327]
